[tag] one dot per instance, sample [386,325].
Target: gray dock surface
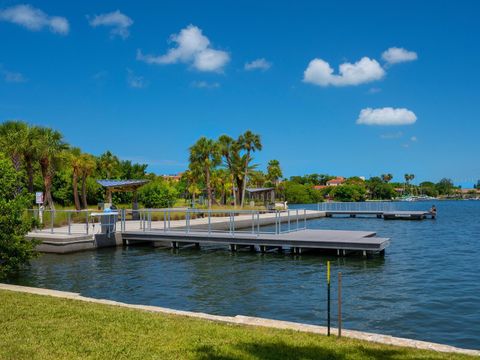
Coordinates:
[306,239]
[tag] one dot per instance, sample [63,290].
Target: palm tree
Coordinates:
[205,154]
[75,160]
[274,172]
[13,141]
[230,149]
[30,155]
[408,178]
[221,182]
[108,164]
[191,176]
[87,165]
[387,177]
[249,142]
[50,147]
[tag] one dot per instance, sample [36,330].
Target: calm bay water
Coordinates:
[426,287]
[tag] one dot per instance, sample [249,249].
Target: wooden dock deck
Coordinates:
[296,241]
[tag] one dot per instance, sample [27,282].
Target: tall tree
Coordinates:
[87,166]
[205,154]
[221,182]
[13,140]
[249,142]
[229,149]
[387,177]
[408,178]
[74,157]
[30,155]
[108,164]
[274,171]
[50,150]
[192,178]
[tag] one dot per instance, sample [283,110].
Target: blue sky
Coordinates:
[146,80]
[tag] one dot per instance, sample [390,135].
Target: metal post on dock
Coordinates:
[258,222]
[209,221]
[187,220]
[276,221]
[305,217]
[339,291]
[288,214]
[253,222]
[150,220]
[69,225]
[297,220]
[86,222]
[328,298]
[164,220]
[52,218]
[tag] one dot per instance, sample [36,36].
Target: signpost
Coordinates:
[39,202]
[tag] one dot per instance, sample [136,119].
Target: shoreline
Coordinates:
[251,321]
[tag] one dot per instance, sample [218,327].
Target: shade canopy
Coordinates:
[259,190]
[122,185]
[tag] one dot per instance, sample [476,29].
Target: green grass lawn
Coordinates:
[40,327]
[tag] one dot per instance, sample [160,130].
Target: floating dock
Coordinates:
[343,242]
[387,215]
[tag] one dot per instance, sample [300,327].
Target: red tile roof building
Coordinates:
[339,180]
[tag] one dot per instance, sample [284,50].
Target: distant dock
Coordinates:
[387,215]
[380,209]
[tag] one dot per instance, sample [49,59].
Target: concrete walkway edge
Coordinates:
[252,321]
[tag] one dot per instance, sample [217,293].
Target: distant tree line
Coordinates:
[312,188]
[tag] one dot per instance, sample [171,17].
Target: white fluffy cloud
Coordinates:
[386,116]
[34,19]
[119,23]
[258,64]
[192,47]
[319,72]
[396,55]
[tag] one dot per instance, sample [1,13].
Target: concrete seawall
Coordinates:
[251,321]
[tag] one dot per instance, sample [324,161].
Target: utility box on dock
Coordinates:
[108,221]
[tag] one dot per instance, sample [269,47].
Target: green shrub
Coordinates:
[157,194]
[298,193]
[15,250]
[348,193]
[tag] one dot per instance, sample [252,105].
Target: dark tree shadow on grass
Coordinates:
[281,350]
